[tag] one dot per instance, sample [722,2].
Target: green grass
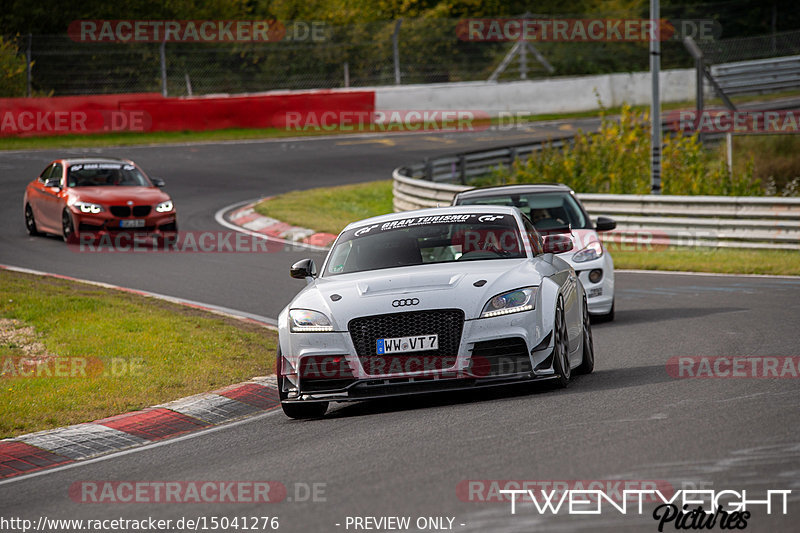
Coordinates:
[162,137]
[140,352]
[329,210]
[717,260]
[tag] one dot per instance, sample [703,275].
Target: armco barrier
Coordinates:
[720,221]
[151,112]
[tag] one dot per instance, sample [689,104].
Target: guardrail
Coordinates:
[459,168]
[759,76]
[717,221]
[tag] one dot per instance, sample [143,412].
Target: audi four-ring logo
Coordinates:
[407,301]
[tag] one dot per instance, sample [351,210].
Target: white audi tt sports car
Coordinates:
[430,300]
[554,207]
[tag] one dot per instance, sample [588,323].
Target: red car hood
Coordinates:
[119,195]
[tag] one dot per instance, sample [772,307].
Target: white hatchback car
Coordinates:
[555,208]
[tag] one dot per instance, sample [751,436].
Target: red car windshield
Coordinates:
[105,174]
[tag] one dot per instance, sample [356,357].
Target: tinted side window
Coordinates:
[46,173]
[57,172]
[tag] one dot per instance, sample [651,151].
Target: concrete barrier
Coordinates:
[551,95]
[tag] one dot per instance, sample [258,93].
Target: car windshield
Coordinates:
[426,240]
[105,174]
[547,210]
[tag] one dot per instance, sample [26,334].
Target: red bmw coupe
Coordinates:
[76,197]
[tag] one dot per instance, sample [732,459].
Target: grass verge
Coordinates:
[331,209]
[103,352]
[716,260]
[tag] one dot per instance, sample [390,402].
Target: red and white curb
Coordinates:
[246,217]
[56,447]
[33,452]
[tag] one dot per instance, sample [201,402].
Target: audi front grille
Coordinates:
[446,323]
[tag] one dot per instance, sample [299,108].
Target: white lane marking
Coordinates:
[707,274]
[271,323]
[142,447]
[219,216]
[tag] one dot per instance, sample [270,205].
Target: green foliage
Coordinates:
[13,80]
[616,160]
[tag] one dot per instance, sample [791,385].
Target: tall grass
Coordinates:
[616,160]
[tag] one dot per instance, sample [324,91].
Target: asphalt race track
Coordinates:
[629,420]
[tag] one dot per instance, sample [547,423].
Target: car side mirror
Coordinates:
[158,182]
[303,269]
[556,244]
[53,182]
[605,224]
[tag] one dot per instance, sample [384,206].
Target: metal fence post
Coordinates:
[697,54]
[655,103]
[28,61]
[163,50]
[396,48]
[346,74]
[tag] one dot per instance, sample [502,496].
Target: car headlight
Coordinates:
[86,207]
[592,251]
[306,321]
[514,301]
[164,207]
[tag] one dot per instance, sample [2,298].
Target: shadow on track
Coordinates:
[599,380]
[645,316]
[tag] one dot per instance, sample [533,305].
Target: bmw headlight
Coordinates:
[514,301]
[592,251]
[86,207]
[164,207]
[306,321]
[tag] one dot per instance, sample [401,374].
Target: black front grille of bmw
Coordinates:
[123,211]
[446,323]
[500,357]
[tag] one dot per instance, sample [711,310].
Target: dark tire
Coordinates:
[561,348]
[30,222]
[587,365]
[68,232]
[299,411]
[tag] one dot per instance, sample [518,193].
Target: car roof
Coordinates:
[433,211]
[501,190]
[85,160]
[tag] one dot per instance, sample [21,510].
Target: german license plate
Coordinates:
[417,343]
[135,223]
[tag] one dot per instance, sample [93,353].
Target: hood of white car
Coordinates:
[421,287]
